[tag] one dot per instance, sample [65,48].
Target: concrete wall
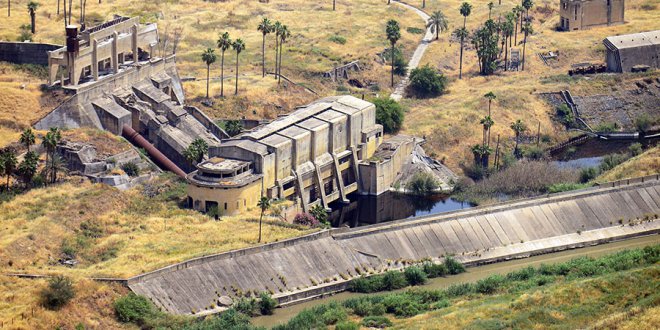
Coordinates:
[230,201]
[581,15]
[311,263]
[26,52]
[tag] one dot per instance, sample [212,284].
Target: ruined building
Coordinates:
[585,14]
[318,154]
[114,81]
[633,52]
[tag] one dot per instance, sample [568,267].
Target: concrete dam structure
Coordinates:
[325,262]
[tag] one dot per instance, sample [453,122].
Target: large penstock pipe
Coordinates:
[158,156]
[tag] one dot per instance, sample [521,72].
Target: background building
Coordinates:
[585,14]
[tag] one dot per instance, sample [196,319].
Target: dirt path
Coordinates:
[417,55]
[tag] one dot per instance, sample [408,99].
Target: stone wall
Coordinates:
[307,266]
[26,52]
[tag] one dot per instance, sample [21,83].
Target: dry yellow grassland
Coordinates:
[451,122]
[647,163]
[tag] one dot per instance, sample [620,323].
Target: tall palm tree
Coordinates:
[56,165]
[284,34]
[518,128]
[224,43]
[393,32]
[50,142]
[465,11]
[277,28]
[265,27]
[438,23]
[518,10]
[238,46]
[27,138]
[8,164]
[487,123]
[490,96]
[527,28]
[334,5]
[490,8]
[263,204]
[527,4]
[32,9]
[507,30]
[28,167]
[209,57]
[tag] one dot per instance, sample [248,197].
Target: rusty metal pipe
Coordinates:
[162,160]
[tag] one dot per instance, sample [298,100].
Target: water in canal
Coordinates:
[390,206]
[473,274]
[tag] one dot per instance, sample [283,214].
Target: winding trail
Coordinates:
[400,88]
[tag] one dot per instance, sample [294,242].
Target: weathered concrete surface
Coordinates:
[26,52]
[297,269]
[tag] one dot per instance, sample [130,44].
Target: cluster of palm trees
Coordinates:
[483,151]
[224,43]
[27,168]
[507,29]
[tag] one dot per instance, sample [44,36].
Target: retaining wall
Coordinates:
[26,52]
[321,263]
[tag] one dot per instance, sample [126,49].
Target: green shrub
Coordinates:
[415,30]
[338,39]
[389,113]
[266,304]
[131,169]
[489,284]
[347,325]
[588,174]
[611,161]
[565,115]
[367,284]
[229,319]
[334,315]
[402,305]
[422,183]
[379,322]
[426,82]
[453,267]
[415,275]
[457,290]
[607,128]
[434,270]
[635,149]
[561,187]
[58,292]
[534,152]
[643,122]
[522,274]
[393,280]
[247,306]
[134,308]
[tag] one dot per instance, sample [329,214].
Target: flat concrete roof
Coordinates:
[248,145]
[221,165]
[330,116]
[275,141]
[633,40]
[294,132]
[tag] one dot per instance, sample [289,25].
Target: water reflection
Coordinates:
[369,210]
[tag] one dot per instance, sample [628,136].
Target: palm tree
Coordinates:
[224,43]
[527,28]
[56,164]
[50,142]
[393,32]
[465,10]
[28,167]
[32,9]
[277,27]
[265,27]
[490,8]
[27,138]
[527,4]
[233,127]
[487,122]
[518,128]
[195,152]
[334,5]
[8,164]
[507,30]
[209,57]
[490,96]
[517,10]
[238,46]
[284,34]
[264,204]
[438,23]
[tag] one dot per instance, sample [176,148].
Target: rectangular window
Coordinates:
[575,13]
[225,206]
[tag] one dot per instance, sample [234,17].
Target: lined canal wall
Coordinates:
[322,263]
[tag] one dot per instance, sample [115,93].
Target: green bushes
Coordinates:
[565,115]
[453,267]
[134,308]
[347,325]
[588,174]
[561,187]
[389,113]
[266,304]
[415,275]
[422,183]
[434,270]
[415,30]
[338,39]
[426,82]
[131,169]
[393,280]
[489,284]
[316,317]
[376,322]
[58,292]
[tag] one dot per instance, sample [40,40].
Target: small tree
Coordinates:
[27,138]
[389,113]
[438,23]
[233,127]
[490,96]
[209,57]
[264,204]
[224,43]
[32,9]
[266,304]
[393,32]
[427,82]
[58,292]
[238,46]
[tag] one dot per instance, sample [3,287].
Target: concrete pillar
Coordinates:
[134,42]
[52,70]
[340,181]
[301,189]
[355,167]
[114,55]
[319,182]
[74,71]
[95,60]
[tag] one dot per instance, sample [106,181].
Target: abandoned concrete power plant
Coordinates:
[586,14]
[633,52]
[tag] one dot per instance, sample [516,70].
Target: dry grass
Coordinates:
[137,233]
[647,163]
[105,143]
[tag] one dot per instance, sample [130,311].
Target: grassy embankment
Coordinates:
[618,290]
[647,163]
[320,39]
[451,122]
